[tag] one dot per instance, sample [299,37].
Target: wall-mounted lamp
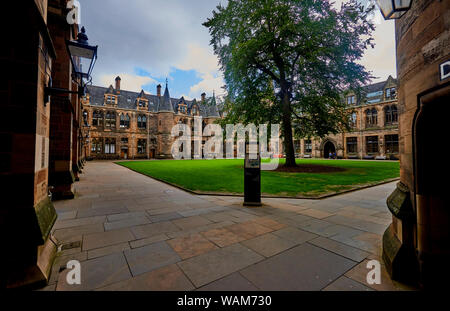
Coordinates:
[392,9]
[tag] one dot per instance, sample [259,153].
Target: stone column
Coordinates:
[61,176]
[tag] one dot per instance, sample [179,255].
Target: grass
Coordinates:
[227,176]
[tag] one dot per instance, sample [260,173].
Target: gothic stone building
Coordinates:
[374,123]
[130,125]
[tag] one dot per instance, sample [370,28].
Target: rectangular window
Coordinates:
[391,142]
[308,146]
[110,146]
[352,145]
[391,93]
[372,144]
[142,146]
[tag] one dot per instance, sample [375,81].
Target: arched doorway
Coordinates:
[431,198]
[328,148]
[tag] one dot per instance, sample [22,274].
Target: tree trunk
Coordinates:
[287,131]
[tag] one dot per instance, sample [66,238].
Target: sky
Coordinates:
[146,41]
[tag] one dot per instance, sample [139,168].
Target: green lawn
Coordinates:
[227,176]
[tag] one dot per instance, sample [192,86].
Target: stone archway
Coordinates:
[328,147]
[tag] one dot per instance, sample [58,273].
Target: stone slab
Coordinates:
[269,244]
[222,237]
[191,245]
[191,222]
[169,278]
[214,265]
[99,252]
[97,273]
[149,230]
[150,257]
[102,239]
[294,235]
[349,252]
[305,267]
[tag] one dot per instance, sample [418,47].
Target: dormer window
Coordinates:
[110,100]
[351,100]
[142,103]
[390,93]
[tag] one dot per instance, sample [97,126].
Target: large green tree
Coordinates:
[289,61]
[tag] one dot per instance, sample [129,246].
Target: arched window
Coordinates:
[110,120]
[353,119]
[368,113]
[374,116]
[394,114]
[371,117]
[390,115]
[387,115]
[97,118]
[127,121]
[122,121]
[142,122]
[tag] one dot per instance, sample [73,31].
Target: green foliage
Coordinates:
[290,58]
[227,175]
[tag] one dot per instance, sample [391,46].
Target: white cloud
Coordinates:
[207,85]
[202,60]
[128,82]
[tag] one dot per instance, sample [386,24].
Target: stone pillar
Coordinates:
[76,136]
[26,213]
[61,176]
[416,246]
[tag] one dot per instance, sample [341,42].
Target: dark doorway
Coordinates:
[432,200]
[328,148]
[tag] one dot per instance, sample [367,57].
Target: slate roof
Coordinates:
[129,100]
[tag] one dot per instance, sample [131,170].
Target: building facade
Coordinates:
[129,125]
[374,127]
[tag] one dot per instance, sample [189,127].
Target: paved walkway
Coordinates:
[131,232]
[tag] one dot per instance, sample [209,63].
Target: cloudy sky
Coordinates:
[147,41]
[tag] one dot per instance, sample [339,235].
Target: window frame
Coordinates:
[353,142]
[370,149]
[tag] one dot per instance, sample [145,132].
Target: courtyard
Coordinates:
[132,232]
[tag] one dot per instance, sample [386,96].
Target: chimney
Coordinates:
[118,83]
[203,97]
[158,90]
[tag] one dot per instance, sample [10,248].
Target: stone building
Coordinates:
[416,246]
[374,123]
[130,125]
[40,153]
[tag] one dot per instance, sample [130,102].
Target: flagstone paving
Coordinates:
[131,232]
